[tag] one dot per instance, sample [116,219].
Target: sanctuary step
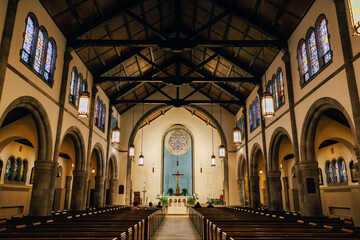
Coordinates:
[244,223]
[115,223]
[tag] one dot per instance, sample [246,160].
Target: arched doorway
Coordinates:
[257,178]
[327,126]
[96,195]
[243,181]
[25,126]
[112,181]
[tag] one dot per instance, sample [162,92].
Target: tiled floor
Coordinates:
[176,227]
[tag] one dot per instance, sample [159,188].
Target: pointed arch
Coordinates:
[40,50]
[325,53]
[303,62]
[30,34]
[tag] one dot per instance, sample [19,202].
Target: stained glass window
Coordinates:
[32,175]
[28,40]
[304,62]
[324,41]
[16,171]
[97,111]
[49,61]
[250,117]
[39,52]
[275,92]
[84,86]
[330,173]
[9,168]
[257,112]
[281,86]
[23,171]
[336,171]
[73,85]
[100,114]
[314,60]
[103,118]
[1,167]
[343,174]
[78,89]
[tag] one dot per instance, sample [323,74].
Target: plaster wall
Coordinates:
[3,9]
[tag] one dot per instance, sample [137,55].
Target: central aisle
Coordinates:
[176,227]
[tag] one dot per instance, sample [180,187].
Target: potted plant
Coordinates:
[184,192]
[191,201]
[170,191]
[164,201]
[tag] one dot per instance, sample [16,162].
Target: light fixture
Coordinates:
[222,149]
[141,157]
[84,102]
[115,138]
[237,136]
[141,160]
[72,165]
[213,161]
[261,171]
[131,150]
[354,6]
[267,104]
[93,170]
[132,147]
[200,168]
[281,166]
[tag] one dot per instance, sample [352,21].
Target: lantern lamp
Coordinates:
[213,161]
[84,102]
[131,151]
[237,136]
[267,105]
[141,160]
[222,151]
[115,136]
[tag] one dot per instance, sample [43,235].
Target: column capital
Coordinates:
[113,180]
[45,165]
[100,178]
[303,166]
[274,174]
[286,56]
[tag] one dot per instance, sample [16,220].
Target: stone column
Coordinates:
[41,198]
[310,201]
[275,190]
[77,196]
[99,191]
[241,185]
[67,193]
[244,112]
[113,186]
[254,191]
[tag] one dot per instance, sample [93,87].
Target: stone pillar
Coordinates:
[41,198]
[241,185]
[99,191]
[254,191]
[77,196]
[275,190]
[244,112]
[310,201]
[113,186]
[67,193]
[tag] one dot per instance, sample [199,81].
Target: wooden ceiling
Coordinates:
[134,48]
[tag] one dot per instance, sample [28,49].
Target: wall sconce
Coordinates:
[93,170]
[261,171]
[280,165]
[72,165]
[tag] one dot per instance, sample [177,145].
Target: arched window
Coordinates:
[336,171]
[250,117]
[1,167]
[29,38]
[275,91]
[103,118]
[323,40]
[257,113]
[280,81]
[23,171]
[50,60]
[9,168]
[312,50]
[100,113]
[353,172]
[16,171]
[97,105]
[84,85]
[329,172]
[73,86]
[39,51]
[78,89]
[342,167]
[303,62]
[32,175]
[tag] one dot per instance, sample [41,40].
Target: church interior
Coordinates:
[239,119]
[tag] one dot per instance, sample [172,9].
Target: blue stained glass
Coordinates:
[172,144]
[281,87]
[324,41]
[314,61]
[39,53]
[330,173]
[304,62]
[16,170]
[78,85]
[100,114]
[257,112]
[336,171]
[48,61]
[103,117]
[177,135]
[8,169]
[177,147]
[97,111]
[183,139]
[172,139]
[250,117]
[276,93]
[72,86]
[28,40]
[343,171]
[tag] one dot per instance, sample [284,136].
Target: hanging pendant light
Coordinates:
[222,149]
[237,136]
[141,160]
[132,147]
[354,15]
[141,157]
[84,102]
[213,161]
[267,105]
[115,136]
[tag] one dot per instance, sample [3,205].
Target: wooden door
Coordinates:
[137,197]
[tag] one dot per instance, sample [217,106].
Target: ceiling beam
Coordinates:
[200,65]
[153,64]
[182,44]
[175,102]
[101,20]
[252,20]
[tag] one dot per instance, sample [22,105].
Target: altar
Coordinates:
[177,205]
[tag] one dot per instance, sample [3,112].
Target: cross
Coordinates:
[177,177]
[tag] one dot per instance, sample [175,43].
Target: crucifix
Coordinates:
[177,179]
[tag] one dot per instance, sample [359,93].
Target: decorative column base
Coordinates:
[99,191]
[275,190]
[40,196]
[254,191]
[113,185]
[78,190]
[310,201]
